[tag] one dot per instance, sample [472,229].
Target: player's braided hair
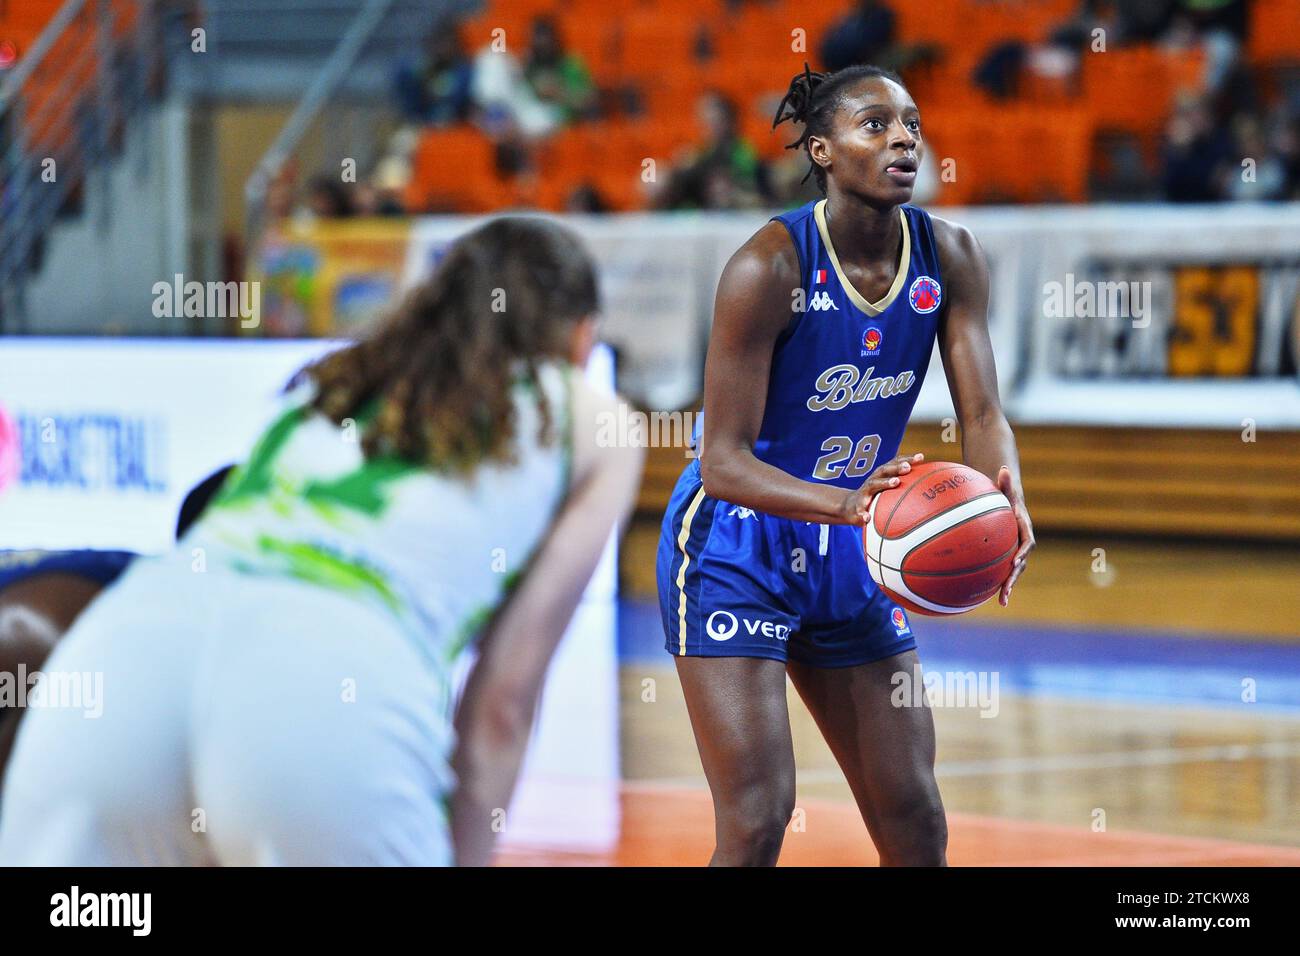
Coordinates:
[441,366]
[812,100]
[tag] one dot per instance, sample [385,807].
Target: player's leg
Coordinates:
[843,662]
[742,728]
[727,616]
[886,753]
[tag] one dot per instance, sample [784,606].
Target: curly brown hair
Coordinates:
[433,382]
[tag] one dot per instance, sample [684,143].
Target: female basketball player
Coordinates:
[760,567]
[278,689]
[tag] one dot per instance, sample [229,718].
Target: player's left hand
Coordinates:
[1008,487]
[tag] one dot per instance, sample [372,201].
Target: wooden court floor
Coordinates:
[1034,786]
[1048,781]
[665,827]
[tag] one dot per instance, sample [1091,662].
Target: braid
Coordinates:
[811,101]
[799,99]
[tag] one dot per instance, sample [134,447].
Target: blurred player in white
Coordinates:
[278,689]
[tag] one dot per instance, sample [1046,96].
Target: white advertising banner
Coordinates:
[100,439]
[1110,315]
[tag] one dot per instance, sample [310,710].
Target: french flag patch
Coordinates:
[821,277]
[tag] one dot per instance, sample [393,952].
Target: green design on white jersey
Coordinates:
[440,552]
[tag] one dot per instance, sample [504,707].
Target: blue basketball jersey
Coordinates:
[846,372]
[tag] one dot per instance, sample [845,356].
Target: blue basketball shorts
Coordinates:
[739,583]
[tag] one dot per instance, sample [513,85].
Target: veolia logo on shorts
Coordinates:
[728,629]
[723,625]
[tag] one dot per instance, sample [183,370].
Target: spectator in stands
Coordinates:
[385,189]
[724,172]
[1004,67]
[509,112]
[864,36]
[1193,158]
[1265,177]
[558,77]
[329,198]
[1285,138]
[789,182]
[586,198]
[1137,21]
[436,90]
[370,200]
[1218,27]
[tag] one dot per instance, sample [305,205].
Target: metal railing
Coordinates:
[322,88]
[63,111]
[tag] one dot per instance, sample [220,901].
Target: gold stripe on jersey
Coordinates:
[856,297]
[681,572]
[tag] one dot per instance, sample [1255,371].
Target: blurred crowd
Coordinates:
[1235,138]
[1232,139]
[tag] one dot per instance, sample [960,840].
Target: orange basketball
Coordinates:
[942,541]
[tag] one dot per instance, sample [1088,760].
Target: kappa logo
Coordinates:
[925,294]
[723,626]
[821,302]
[742,513]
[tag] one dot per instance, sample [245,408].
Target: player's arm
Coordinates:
[987,442]
[753,306]
[495,716]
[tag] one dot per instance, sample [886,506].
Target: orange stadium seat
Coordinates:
[1134,89]
[936,21]
[650,41]
[596,41]
[454,169]
[653,45]
[1040,154]
[1274,34]
[28,14]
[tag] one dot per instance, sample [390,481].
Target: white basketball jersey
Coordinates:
[437,551]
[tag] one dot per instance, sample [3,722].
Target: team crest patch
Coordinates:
[871,339]
[925,294]
[899,620]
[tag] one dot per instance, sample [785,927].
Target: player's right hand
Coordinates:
[887,476]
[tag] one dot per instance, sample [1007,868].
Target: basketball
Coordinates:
[942,541]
